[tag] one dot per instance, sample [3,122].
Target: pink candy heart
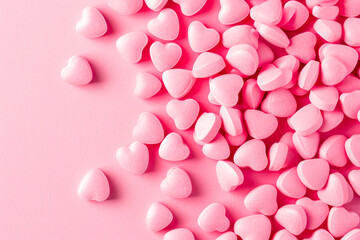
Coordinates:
[228,175]
[147,85]
[131,46]
[155,5]
[165,26]
[321,234]
[158,217]
[172,148]
[271,104]
[184,113]
[341,221]
[252,154]
[306,146]
[248,227]
[201,38]
[94,186]
[207,127]
[217,149]
[208,64]
[232,120]
[227,236]
[179,234]
[262,199]
[290,185]
[78,71]
[177,183]
[306,120]
[354,179]
[92,23]
[148,129]
[352,147]
[313,173]
[165,56]
[333,150]
[225,89]
[178,82]
[244,58]
[352,235]
[190,7]
[261,14]
[284,235]
[297,215]
[260,125]
[135,158]
[302,46]
[126,7]
[233,11]
[213,218]
[278,153]
[316,212]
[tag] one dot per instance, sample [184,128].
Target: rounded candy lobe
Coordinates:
[77,71]
[316,212]
[349,84]
[309,75]
[213,218]
[354,180]
[261,14]
[126,7]
[260,125]
[165,26]
[329,13]
[227,236]
[290,184]
[217,149]
[179,234]
[306,120]
[333,150]
[251,94]
[94,186]
[201,38]
[178,82]
[135,158]
[190,7]
[248,227]
[349,8]
[352,148]
[351,32]
[177,183]
[352,235]
[207,127]
[173,148]
[92,23]
[341,221]
[232,120]
[295,15]
[350,103]
[297,215]
[233,11]
[313,173]
[158,217]
[225,89]
[272,77]
[306,146]
[208,64]
[148,129]
[147,85]
[302,46]
[252,154]
[274,103]
[155,5]
[240,34]
[183,112]
[321,234]
[131,46]
[265,54]
[273,35]
[324,97]
[331,120]
[278,153]
[333,71]
[329,30]
[244,58]
[283,235]
[262,199]
[165,56]
[228,175]
[238,140]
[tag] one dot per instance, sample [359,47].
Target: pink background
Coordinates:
[51,133]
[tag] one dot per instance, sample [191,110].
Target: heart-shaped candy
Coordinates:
[228,175]
[272,77]
[155,5]
[290,185]
[240,34]
[217,149]
[354,179]
[178,82]
[165,56]
[158,217]
[92,23]
[248,227]
[207,127]
[126,7]
[273,35]
[190,7]
[252,154]
[324,97]
[233,11]
[261,14]
[337,191]
[352,147]
[278,153]
[313,173]
[297,215]
[213,218]
[165,26]
[177,183]
[251,94]
[147,85]
[148,129]
[333,150]
[135,158]
[226,88]
[227,236]
[321,234]
[232,120]
[131,46]
[329,30]
[340,221]
[350,103]
[262,199]
[284,235]
[184,113]
[207,65]
[306,120]
[352,235]
[244,58]
[306,146]
[295,14]
[260,125]
[308,75]
[179,234]
[302,46]
[316,212]
[201,38]
[173,148]
[94,186]
[272,103]
[77,71]
[331,120]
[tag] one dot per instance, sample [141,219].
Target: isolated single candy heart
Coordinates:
[148,129]
[290,185]
[252,154]
[94,186]
[201,38]
[190,7]
[208,64]
[261,14]
[177,183]
[165,26]
[126,7]
[147,85]
[165,56]
[135,158]
[262,199]
[179,234]
[340,221]
[155,5]
[207,127]
[313,173]
[178,82]
[233,11]
[228,175]
[77,71]
[173,148]
[248,227]
[217,149]
[184,113]
[260,125]
[92,23]
[226,88]
[337,191]
[158,217]
[316,212]
[213,218]
[131,46]
[297,215]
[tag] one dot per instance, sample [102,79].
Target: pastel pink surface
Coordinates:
[217,149]
[135,158]
[227,236]
[233,11]
[155,5]
[251,94]
[316,212]
[333,150]
[126,7]
[354,180]
[321,234]
[306,146]
[158,217]
[302,46]
[94,186]
[208,64]
[262,199]
[278,153]
[283,235]
[190,7]
[213,218]
[352,235]
[226,88]
[260,13]
[240,34]
[306,120]
[352,148]
[179,234]
[295,14]
[207,127]
[228,175]
[232,120]
[244,58]
[173,148]
[272,103]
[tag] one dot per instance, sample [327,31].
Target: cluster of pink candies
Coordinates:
[308,79]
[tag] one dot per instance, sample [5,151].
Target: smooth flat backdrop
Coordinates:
[51,133]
